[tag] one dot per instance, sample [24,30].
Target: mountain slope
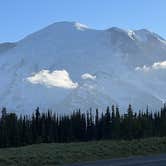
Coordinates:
[6,46]
[68,65]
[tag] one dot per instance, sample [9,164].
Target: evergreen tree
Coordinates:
[107,124]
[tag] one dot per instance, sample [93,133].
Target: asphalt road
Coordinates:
[159,160]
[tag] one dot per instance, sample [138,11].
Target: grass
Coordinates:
[65,153]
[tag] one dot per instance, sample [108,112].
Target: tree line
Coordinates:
[47,127]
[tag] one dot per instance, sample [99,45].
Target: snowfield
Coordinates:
[68,65]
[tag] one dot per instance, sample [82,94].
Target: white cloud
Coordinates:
[56,78]
[155,66]
[159,65]
[144,68]
[88,76]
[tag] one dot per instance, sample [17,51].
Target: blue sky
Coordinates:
[19,18]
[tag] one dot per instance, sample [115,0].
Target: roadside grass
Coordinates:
[66,153]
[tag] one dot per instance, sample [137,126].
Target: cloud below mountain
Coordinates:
[155,66]
[86,76]
[56,78]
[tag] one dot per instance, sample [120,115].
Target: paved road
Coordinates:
[159,160]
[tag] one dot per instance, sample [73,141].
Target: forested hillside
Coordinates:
[47,127]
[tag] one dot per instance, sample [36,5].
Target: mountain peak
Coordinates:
[80,26]
[117,29]
[68,24]
[144,35]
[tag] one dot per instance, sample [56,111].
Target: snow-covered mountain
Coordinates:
[68,65]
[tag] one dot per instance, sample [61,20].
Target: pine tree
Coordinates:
[97,125]
[107,124]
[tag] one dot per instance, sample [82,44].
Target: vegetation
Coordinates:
[65,153]
[48,127]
